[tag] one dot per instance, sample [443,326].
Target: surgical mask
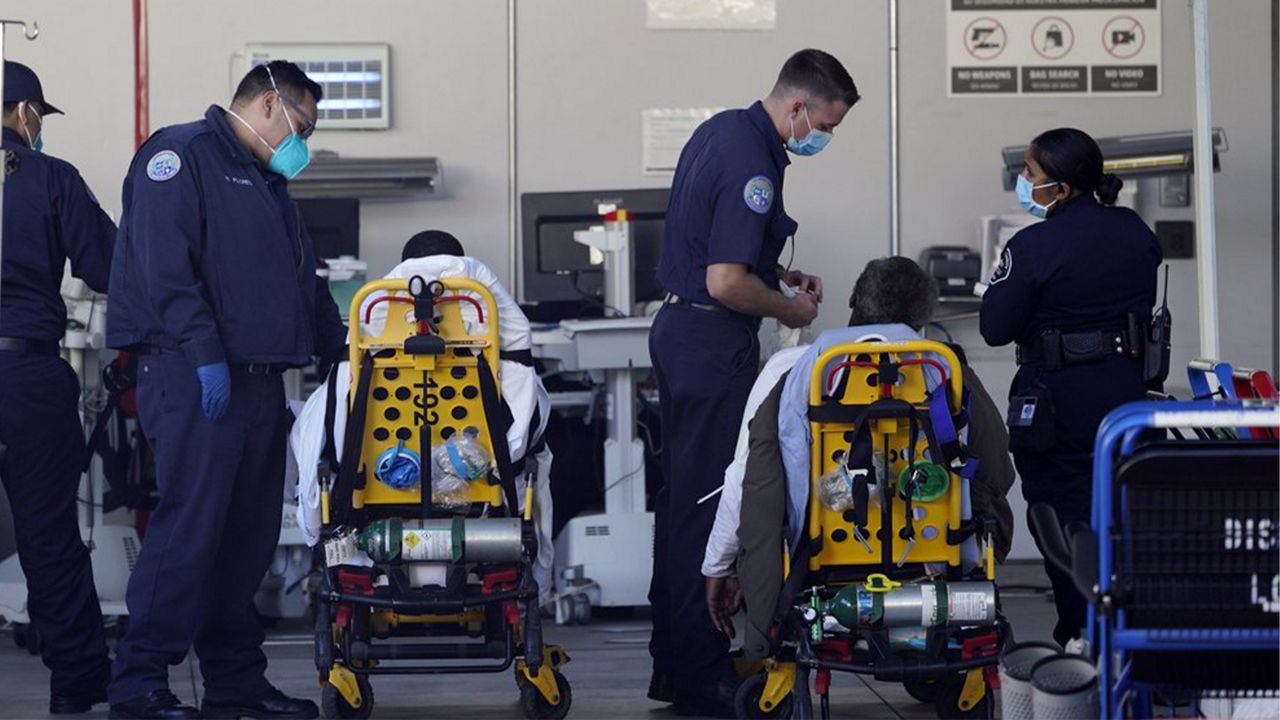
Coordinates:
[811,144]
[38,143]
[1025,190]
[291,156]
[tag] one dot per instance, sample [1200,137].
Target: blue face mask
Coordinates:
[1028,203]
[291,156]
[38,143]
[810,144]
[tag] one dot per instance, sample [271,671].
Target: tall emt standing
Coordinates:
[215,286]
[725,230]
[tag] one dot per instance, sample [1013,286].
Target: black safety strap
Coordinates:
[794,582]
[352,444]
[330,450]
[523,357]
[498,417]
[909,528]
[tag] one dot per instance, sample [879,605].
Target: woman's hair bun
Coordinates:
[1109,189]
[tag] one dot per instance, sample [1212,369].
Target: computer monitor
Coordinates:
[334,225]
[556,271]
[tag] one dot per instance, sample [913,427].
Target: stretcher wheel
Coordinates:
[746,703]
[947,706]
[335,707]
[536,707]
[925,691]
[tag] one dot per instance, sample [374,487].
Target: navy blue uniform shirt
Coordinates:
[49,216]
[212,258]
[726,203]
[1084,268]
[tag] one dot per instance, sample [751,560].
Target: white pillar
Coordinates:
[1206,225]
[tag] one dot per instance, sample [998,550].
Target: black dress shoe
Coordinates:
[156,705]
[661,687]
[274,704]
[77,703]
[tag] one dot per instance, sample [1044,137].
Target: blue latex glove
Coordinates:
[215,389]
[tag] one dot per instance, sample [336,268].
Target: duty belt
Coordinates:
[250,368]
[1055,350]
[23,346]
[673,299]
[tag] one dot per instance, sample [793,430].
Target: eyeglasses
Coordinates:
[310,127]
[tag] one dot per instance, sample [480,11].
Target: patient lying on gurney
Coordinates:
[433,255]
[766,486]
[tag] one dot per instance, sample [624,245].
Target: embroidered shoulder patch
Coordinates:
[1004,268]
[758,194]
[164,165]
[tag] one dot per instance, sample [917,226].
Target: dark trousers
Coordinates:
[705,364]
[1062,476]
[1065,483]
[211,537]
[43,457]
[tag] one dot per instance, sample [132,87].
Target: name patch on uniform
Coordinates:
[1004,268]
[164,165]
[758,194]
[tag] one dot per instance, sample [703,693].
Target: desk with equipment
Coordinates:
[595,253]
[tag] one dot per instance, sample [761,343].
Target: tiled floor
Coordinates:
[609,673]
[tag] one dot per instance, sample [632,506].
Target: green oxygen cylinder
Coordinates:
[853,607]
[413,540]
[382,539]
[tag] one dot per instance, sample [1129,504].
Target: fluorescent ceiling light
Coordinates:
[346,77]
[350,104]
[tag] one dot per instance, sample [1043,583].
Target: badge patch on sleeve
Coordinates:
[758,194]
[1004,268]
[164,165]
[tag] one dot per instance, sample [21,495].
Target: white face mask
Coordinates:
[36,143]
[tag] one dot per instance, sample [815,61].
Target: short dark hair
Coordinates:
[1071,156]
[893,290]
[290,78]
[819,74]
[431,242]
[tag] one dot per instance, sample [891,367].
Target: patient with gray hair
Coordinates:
[742,562]
[893,290]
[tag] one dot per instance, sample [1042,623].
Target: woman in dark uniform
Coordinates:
[1074,292]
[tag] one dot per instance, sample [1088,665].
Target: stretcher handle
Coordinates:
[368,311]
[835,353]
[831,374]
[463,298]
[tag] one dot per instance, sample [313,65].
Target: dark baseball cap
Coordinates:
[21,83]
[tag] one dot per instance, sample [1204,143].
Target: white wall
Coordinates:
[588,67]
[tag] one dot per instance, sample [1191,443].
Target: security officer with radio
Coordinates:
[50,216]
[214,286]
[725,230]
[1076,293]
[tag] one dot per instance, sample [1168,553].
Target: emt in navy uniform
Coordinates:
[725,230]
[215,286]
[50,216]
[1073,292]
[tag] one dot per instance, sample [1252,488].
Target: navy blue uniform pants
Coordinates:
[1062,477]
[211,537]
[43,458]
[705,363]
